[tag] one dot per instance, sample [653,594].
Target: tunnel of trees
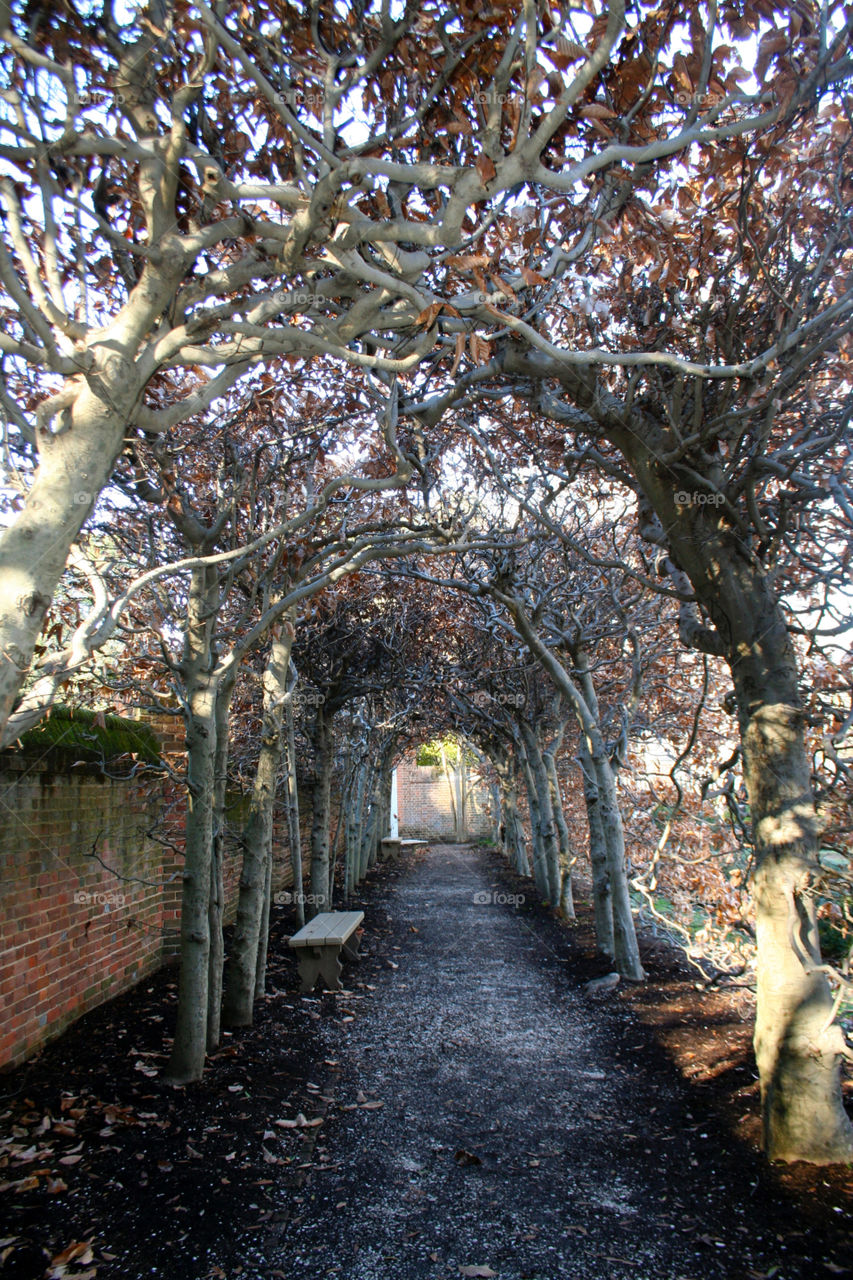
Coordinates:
[386,373]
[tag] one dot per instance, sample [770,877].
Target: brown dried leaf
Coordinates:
[486,169]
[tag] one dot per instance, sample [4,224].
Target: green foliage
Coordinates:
[73,734]
[429,753]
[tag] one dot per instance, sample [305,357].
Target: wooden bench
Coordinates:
[392,847]
[320,942]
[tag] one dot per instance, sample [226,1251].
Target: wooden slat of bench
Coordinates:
[340,924]
[312,932]
[329,928]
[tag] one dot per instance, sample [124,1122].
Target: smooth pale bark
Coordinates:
[567,901]
[545,821]
[242,972]
[387,805]
[264,934]
[540,860]
[188,1051]
[361,782]
[582,699]
[350,800]
[216,909]
[76,459]
[292,804]
[602,901]
[334,854]
[512,818]
[495,797]
[321,739]
[371,817]
[626,952]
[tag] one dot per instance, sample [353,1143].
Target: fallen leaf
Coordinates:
[477,1271]
[23,1184]
[78,1251]
[372,1106]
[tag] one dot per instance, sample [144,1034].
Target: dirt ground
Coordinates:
[465,1107]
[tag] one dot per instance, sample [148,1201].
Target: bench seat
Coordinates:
[318,946]
[393,846]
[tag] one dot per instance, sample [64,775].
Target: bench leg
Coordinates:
[350,949]
[309,967]
[330,968]
[324,962]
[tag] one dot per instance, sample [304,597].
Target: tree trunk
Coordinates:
[540,858]
[567,901]
[292,800]
[321,811]
[798,1046]
[76,459]
[188,1051]
[626,952]
[216,958]
[370,820]
[602,901]
[496,815]
[257,845]
[544,813]
[514,825]
[264,934]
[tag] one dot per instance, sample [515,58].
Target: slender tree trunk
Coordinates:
[540,858]
[510,834]
[292,801]
[370,819]
[626,952]
[216,958]
[602,900]
[497,811]
[264,934]
[321,811]
[584,703]
[544,813]
[188,1051]
[257,844]
[567,901]
[353,775]
[335,853]
[516,826]
[358,801]
[383,819]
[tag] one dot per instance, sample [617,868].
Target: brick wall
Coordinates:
[89,902]
[424,808]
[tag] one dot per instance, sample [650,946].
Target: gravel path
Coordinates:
[515,1136]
